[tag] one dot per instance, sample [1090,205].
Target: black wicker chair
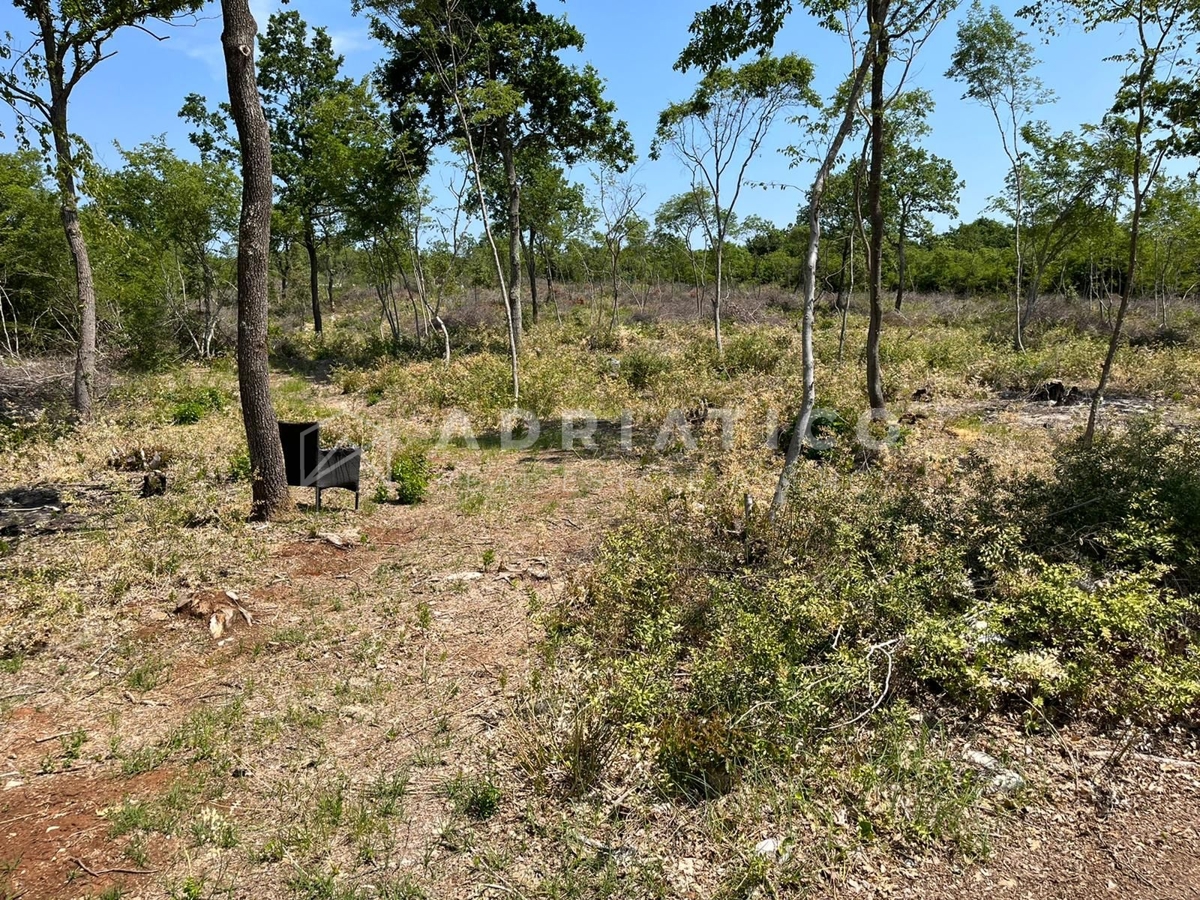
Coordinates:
[308,465]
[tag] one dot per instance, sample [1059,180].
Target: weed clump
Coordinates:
[820,646]
[411,473]
[640,366]
[475,796]
[191,404]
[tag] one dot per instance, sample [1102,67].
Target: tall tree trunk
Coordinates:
[615,255]
[514,244]
[269,481]
[901,261]
[314,273]
[846,286]
[329,280]
[210,307]
[1114,342]
[283,263]
[875,203]
[1019,184]
[1032,294]
[809,277]
[716,304]
[531,258]
[85,287]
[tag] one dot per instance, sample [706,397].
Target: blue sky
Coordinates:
[633,43]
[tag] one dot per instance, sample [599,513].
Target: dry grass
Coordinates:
[375,733]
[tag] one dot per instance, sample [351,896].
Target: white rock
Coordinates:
[1003,780]
[769,847]
[464,576]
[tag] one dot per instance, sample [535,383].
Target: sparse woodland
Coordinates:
[699,555]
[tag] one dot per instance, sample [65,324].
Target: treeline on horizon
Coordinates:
[352,161]
[159,232]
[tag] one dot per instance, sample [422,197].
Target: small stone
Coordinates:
[769,847]
[464,576]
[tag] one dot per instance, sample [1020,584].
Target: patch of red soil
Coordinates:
[51,825]
[312,559]
[393,537]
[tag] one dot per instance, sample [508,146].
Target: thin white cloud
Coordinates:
[210,54]
[349,40]
[261,10]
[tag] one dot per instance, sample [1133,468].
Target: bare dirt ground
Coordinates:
[338,743]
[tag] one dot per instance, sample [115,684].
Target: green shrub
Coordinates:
[876,593]
[239,466]
[1071,644]
[698,755]
[1130,500]
[411,473]
[753,352]
[640,366]
[191,404]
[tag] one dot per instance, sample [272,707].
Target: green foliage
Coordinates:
[36,275]
[168,218]
[883,591]
[1130,501]
[642,365]
[752,352]
[411,472]
[191,404]
[475,796]
[699,755]
[240,468]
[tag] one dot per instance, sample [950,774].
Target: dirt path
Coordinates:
[399,652]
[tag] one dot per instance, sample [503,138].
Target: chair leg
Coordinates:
[356,501]
[318,499]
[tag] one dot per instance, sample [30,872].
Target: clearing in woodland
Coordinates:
[963,663]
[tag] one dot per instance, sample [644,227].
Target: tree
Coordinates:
[617,200]
[298,73]
[69,41]
[439,43]
[1155,115]
[36,273]
[551,208]
[916,181]
[184,207]
[730,28]
[997,65]
[842,218]
[1068,182]
[299,76]
[725,31]
[511,94]
[719,130]
[898,29]
[680,217]
[269,488]
[1171,224]
[379,186]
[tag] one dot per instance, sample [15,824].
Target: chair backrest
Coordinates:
[301,452]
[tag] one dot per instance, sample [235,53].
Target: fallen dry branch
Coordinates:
[99,873]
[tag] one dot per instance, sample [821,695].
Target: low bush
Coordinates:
[641,365]
[733,648]
[1131,500]
[191,404]
[410,472]
[753,352]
